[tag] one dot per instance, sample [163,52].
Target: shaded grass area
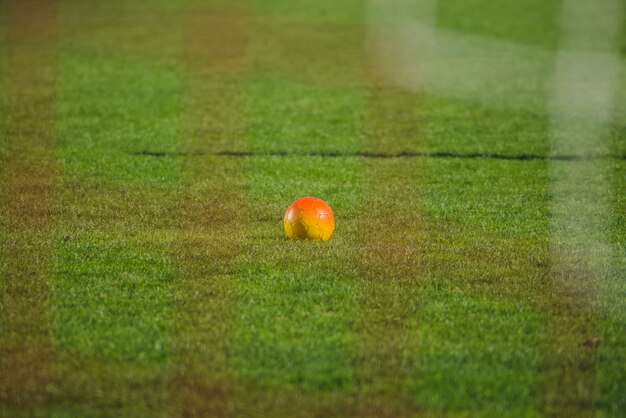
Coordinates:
[321,53]
[132,31]
[97,386]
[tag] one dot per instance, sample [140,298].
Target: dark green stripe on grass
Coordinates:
[391,226]
[210,209]
[28,202]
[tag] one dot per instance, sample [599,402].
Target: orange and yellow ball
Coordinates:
[309,218]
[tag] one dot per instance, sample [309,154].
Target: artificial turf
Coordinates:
[160,281]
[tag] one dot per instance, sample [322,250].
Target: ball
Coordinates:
[309,218]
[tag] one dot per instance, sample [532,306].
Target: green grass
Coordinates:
[532,22]
[174,291]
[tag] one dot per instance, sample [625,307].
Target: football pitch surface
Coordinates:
[148,151]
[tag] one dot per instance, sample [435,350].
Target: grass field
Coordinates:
[149,148]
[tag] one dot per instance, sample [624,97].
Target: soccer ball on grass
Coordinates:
[309,218]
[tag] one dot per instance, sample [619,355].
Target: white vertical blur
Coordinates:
[583,99]
[400,37]
[411,52]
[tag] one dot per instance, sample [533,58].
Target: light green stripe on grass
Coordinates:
[581,249]
[485,266]
[611,374]
[471,359]
[296,312]
[296,298]
[611,370]
[612,367]
[117,109]
[117,226]
[484,128]
[301,117]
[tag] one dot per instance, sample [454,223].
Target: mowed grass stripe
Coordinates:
[391,231]
[296,298]
[114,268]
[485,266]
[581,370]
[28,201]
[202,382]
